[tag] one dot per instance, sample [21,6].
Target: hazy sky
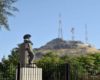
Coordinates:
[40,19]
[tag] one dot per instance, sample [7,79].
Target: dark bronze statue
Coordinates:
[26,51]
[28,47]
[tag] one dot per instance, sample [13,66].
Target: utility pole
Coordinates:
[60,33]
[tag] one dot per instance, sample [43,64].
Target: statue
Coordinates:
[26,69]
[26,51]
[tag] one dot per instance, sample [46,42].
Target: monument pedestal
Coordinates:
[30,73]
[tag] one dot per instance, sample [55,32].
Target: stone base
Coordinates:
[30,73]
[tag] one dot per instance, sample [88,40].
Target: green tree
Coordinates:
[82,67]
[6,9]
[8,66]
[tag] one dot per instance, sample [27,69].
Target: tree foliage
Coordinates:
[8,66]
[6,9]
[81,66]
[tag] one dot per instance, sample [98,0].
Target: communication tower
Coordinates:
[73,33]
[60,33]
[86,34]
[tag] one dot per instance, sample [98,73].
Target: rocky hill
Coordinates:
[61,44]
[62,47]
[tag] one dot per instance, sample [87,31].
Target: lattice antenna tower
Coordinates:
[73,33]
[86,34]
[60,32]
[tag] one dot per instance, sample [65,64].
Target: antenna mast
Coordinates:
[73,33]
[86,34]
[60,34]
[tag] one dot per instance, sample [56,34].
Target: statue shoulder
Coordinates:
[21,45]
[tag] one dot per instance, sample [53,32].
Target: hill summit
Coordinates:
[62,44]
[62,47]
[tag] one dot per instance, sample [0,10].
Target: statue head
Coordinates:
[26,36]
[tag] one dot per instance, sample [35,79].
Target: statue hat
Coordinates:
[27,36]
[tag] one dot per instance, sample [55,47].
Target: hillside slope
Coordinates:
[62,47]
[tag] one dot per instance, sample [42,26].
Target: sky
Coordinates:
[40,18]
